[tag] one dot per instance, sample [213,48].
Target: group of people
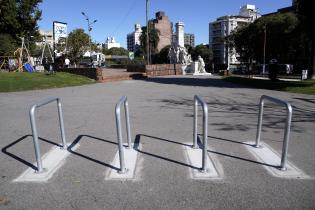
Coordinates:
[48,65]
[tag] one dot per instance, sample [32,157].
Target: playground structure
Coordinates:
[16,61]
[21,57]
[45,44]
[8,62]
[19,54]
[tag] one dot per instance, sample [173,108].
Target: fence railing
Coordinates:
[287,126]
[122,100]
[34,129]
[200,101]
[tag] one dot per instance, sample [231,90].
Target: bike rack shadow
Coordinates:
[137,143]
[79,138]
[236,157]
[25,162]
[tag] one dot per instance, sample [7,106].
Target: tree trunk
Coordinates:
[313,61]
[311,73]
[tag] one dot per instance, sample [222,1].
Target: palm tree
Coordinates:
[153,40]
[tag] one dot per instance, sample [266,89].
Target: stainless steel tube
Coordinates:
[286,137]
[120,144]
[35,139]
[195,145]
[197,101]
[122,100]
[62,127]
[34,129]
[127,123]
[259,125]
[205,137]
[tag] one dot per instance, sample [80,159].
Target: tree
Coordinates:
[8,21]
[27,15]
[7,44]
[162,56]
[306,16]
[153,40]
[78,43]
[19,19]
[116,51]
[282,42]
[205,52]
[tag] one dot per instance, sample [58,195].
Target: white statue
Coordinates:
[178,54]
[182,54]
[172,55]
[184,57]
[188,59]
[201,65]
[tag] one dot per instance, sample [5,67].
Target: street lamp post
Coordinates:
[28,42]
[264,58]
[89,27]
[148,61]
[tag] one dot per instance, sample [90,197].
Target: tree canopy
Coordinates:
[78,43]
[205,52]
[116,51]
[18,18]
[153,40]
[162,56]
[279,31]
[306,15]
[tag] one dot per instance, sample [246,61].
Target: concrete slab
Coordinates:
[52,161]
[272,160]
[130,163]
[160,107]
[194,157]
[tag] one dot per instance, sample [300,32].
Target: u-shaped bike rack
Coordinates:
[124,100]
[287,126]
[200,101]
[34,129]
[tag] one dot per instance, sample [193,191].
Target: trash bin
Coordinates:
[273,69]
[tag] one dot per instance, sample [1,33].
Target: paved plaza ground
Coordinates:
[161,116]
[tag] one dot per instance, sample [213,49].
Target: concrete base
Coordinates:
[272,159]
[185,69]
[194,157]
[202,74]
[130,163]
[51,161]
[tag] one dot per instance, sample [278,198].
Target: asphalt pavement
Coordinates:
[161,117]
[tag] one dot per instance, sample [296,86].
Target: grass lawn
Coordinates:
[306,86]
[20,81]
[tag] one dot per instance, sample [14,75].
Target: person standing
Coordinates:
[67,62]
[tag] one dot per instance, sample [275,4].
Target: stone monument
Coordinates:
[179,55]
[199,67]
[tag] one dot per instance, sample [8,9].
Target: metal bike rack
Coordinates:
[34,129]
[200,101]
[119,135]
[287,126]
